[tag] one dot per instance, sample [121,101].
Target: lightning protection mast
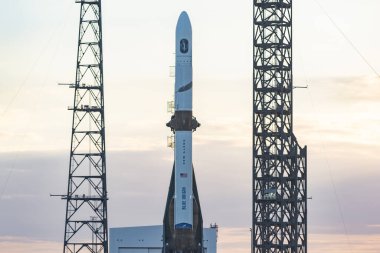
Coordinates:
[279,163]
[86,227]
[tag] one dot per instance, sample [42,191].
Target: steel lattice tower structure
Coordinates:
[279,163]
[86,227]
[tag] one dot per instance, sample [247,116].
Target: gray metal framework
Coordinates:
[279,222]
[86,227]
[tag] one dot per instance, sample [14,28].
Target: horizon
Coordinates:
[336,117]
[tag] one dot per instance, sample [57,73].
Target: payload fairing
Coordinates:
[183,224]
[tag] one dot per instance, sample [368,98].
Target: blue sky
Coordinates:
[337,116]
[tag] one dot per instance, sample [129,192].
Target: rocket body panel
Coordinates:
[183,201]
[182,240]
[183,65]
[183,223]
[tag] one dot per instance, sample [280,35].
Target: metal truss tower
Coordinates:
[86,227]
[279,223]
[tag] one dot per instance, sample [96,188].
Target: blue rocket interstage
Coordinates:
[183,223]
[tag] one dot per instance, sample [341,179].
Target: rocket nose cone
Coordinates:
[183,36]
[183,25]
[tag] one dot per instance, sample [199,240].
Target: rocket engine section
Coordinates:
[183,223]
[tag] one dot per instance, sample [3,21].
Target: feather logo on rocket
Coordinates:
[184,46]
[183,216]
[186,87]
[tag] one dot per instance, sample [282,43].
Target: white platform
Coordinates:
[148,239]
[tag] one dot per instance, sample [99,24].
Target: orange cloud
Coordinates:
[319,243]
[230,240]
[237,240]
[358,89]
[22,245]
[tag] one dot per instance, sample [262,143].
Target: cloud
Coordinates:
[338,243]
[22,245]
[374,226]
[341,122]
[359,89]
[233,131]
[344,94]
[138,182]
[230,240]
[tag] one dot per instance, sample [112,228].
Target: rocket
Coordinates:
[183,224]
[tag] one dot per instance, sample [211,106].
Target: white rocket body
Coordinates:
[183,200]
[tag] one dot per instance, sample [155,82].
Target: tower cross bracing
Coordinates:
[279,223]
[86,228]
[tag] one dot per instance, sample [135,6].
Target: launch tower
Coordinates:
[279,163]
[86,227]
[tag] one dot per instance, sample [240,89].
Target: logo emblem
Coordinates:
[186,87]
[184,46]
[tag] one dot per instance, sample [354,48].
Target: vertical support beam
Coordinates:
[86,227]
[279,164]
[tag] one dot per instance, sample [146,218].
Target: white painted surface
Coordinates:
[183,197]
[127,250]
[148,239]
[139,250]
[183,64]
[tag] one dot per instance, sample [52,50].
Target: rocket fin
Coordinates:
[177,240]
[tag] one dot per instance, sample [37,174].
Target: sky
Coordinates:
[337,116]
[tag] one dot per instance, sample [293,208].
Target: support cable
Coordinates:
[34,65]
[63,23]
[356,49]
[332,181]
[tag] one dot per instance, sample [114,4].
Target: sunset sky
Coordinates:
[337,117]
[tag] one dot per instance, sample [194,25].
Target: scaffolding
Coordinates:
[279,223]
[86,228]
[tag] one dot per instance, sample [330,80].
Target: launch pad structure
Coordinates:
[86,228]
[183,222]
[279,218]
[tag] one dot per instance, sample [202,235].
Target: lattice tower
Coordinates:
[279,163]
[86,228]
